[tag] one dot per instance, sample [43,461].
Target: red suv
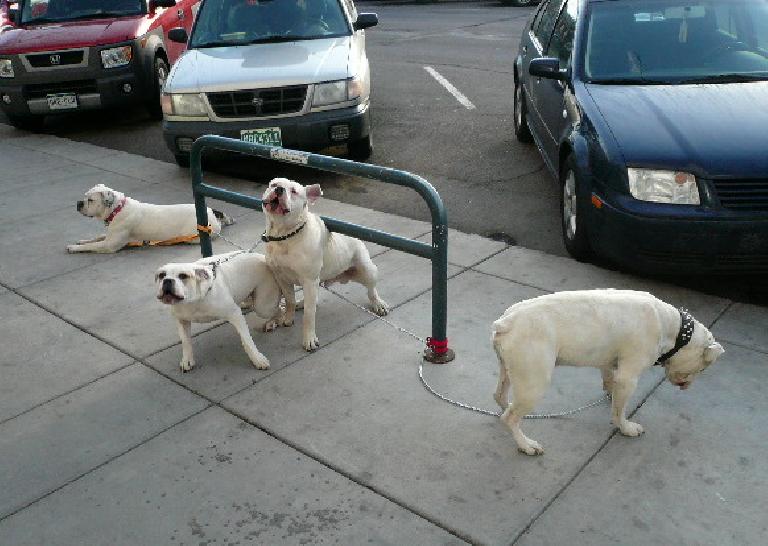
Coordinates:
[59,56]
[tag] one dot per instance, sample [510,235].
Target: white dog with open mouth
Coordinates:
[301,251]
[621,332]
[129,220]
[213,289]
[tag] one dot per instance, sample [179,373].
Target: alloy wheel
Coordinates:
[569,205]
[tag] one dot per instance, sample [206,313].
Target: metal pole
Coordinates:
[201,211]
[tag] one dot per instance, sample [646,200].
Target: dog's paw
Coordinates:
[631,429]
[186,365]
[380,308]
[261,364]
[72,248]
[271,325]
[311,344]
[285,321]
[531,448]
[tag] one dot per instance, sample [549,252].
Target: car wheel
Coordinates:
[27,123]
[153,103]
[573,213]
[522,131]
[361,149]
[182,160]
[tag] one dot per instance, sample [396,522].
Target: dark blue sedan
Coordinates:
[653,115]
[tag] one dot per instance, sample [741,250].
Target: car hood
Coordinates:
[58,36]
[260,65]
[712,129]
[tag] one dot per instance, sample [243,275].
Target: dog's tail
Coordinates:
[224,219]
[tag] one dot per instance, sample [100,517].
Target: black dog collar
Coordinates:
[268,238]
[683,336]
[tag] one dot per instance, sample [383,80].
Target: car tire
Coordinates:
[573,212]
[27,123]
[160,74]
[182,160]
[361,149]
[520,116]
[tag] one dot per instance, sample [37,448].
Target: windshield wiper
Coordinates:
[630,81]
[218,44]
[727,78]
[275,38]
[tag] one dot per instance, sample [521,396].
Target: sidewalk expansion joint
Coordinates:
[102,464]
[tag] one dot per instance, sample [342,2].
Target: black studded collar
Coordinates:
[683,336]
[268,238]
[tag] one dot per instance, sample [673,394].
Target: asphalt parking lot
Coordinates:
[461,142]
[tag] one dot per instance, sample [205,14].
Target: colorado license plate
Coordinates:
[270,136]
[62,101]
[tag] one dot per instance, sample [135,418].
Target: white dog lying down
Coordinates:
[301,251]
[621,332]
[130,220]
[212,289]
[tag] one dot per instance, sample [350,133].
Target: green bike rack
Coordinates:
[437,350]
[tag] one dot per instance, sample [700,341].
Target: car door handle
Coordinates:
[525,49]
[180,13]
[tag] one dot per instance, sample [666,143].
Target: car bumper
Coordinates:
[310,132]
[682,244]
[93,86]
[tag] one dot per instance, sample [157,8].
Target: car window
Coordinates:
[561,43]
[67,10]
[238,22]
[545,22]
[671,41]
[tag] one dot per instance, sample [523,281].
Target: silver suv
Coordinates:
[290,73]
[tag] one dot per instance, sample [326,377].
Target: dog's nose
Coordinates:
[167,286]
[279,190]
[80,205]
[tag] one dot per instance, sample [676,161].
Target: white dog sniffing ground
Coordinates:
[129,220]
[621,332]
[301,251]
[213,289]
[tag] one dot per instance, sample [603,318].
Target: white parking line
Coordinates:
[451,89]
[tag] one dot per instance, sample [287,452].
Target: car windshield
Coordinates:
[235,22]
[669,41]
[46,11]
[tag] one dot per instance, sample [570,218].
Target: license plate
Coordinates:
[270,136]
[62,101]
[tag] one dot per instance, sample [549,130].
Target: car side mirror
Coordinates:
[178,35]
[547,67]
[366,20]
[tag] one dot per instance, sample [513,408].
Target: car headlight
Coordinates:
[186,104]
[116,56]
[673,187]
[6,68]
[330,93]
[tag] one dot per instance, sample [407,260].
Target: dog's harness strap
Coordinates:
[683,336]
[205,229]
[167,242]
[268,238]
[115,211]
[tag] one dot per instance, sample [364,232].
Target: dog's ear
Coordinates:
[314,193]
[109,197]
[202,274]
[712,352]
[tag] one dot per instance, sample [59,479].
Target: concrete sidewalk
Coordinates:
[104,441]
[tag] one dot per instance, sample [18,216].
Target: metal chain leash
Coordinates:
[456,403]
[427,386]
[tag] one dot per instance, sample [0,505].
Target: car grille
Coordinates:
[41,90]
[707,263]
[743,194]
[43,60]
[258,102]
